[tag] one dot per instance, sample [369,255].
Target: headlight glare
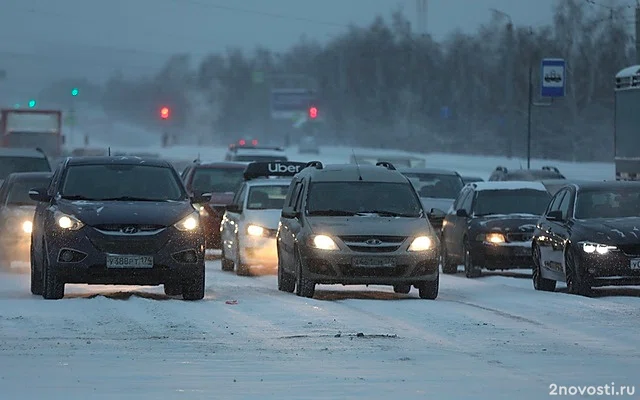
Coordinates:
[591,248]
[494,238]
[66,221]
[323,242]
[27,226]
[421,243]
[189,223]
[255,230]
[203,211]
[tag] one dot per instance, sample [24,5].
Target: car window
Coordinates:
[216,180]
[9,165]
[554,205]
[292,196]
[18,193]
[511,201]
[120,181]
[299,197]
[239,197]
[330,198]
[468,201]
[460,199]
[565,204]
[608,203]
[438,186]
[267,197]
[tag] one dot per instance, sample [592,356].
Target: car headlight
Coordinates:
[255,230]
[421,243]
[322,242]
[189,223]
[66,221]
[590,248]
[494,238]
[27,226]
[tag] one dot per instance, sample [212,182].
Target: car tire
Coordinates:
[447,266]
[194,289]
[53,288]
[241,269]
[576,283]
[540,283]
[304,286]
[172,289]
[36,276]
[225,263]
[286,281]
[428,290]
[402,289]
[470,269]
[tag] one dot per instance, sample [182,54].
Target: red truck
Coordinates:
[28,128]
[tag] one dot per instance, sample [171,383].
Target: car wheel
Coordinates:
[402,289]
[225,263]
[36,276]
[286,281]
[172,289]
[241,269]
[428,290]
[53,288]
[576,283]
[470,269]
[304,286]
[540,283]
[447,266]
[194,289]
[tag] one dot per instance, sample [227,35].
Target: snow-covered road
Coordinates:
[493,338]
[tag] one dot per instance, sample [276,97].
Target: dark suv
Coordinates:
[545,173]
[22,160]
[350,224]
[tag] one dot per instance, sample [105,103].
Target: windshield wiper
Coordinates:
[388,214]
[332,213]
[129,198]
[77,197]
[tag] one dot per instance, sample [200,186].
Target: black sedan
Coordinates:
[589,236]
[116,220]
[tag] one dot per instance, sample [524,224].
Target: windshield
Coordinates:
[122,182]
[436,186]
[613,203]
[352,198]
[216,180]
[9,165]
[267,197]
[520,201]
[250,158]
[18,193]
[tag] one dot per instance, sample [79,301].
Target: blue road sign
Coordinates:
[287,103]
[445,112]
[553,77]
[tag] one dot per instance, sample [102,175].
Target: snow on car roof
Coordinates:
[509,185]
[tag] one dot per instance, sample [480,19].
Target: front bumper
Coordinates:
[611,269]
[259,251]
[513,255]
[337,267]
[90,248]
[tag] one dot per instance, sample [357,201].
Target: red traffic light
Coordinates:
[313,112]
[164,112]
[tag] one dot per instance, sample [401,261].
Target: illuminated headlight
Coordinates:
[189,223]
[591,248]
[255,230]
[494,238]
[323,242]
[421,243]
[27,226]
[66,221]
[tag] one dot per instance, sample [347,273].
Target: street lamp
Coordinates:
[508,88]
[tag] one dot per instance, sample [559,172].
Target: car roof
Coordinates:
[27,153]
[533,173]
[508,185]
[119,160]
[353,173]
[257,151]
[605,185]
[222,164]
[435,171]
[26,176]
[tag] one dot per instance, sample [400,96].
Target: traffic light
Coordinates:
[75,92]
[313,112]
[164,113]
[32,103]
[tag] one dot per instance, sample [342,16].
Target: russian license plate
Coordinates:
[373,262]
[635,263]
[120,261]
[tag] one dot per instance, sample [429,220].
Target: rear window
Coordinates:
[267,197]
[18,193]
[250,158]
[216,180]
[438,186]
[9,165]
[518,201]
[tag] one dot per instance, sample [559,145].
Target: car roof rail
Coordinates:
[502,169]
[315,164]
[386,164]
[551,168]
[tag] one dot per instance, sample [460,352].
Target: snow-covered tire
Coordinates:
[225,263]
[37,285]
[53,287]
[470,269]
[447,266]
[286,281]
[428,290]
[241,269]
[194,289]
[304,286]
[576,282]
[540,283]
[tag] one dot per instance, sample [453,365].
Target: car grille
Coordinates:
[630,249]
[520,237]
[122,227]
[128,244]
[373,244]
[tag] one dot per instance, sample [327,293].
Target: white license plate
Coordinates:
[119,261]
[373,262]
[635,263]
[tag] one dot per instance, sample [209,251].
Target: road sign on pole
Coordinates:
[553,77]
[287,103]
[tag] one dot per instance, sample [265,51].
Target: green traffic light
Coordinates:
[74,92]
[32,103]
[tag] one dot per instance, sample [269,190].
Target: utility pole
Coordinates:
[421,17]
[638,31]
[529,110]
[509,89]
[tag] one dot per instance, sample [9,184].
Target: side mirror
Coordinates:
[437,213]
[202,198]
[290,213]
[234,208]
[462,213]
[39,195]
[555,215]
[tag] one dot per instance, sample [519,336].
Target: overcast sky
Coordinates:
[42,39]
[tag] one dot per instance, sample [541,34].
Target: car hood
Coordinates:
[382,226]
[221,198]
[265,218]
[441,204]
[126,212]
[612,230]
[507,222]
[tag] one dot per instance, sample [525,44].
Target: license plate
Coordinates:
[373,262]
[635,263]
[119,261]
